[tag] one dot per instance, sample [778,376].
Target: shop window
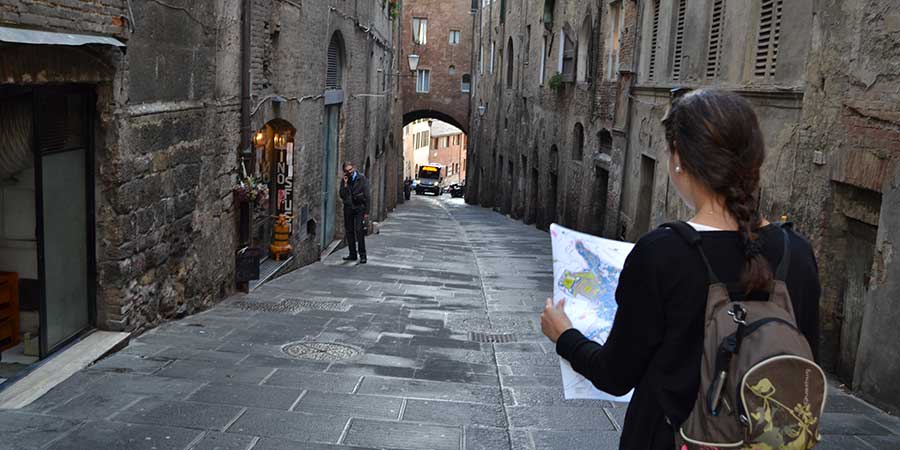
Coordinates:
[420,30]
[767,38]
[466,83]
[423,81]
[714,49]
[678,53]
[334,68]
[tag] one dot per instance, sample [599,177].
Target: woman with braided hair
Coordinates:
[715,152]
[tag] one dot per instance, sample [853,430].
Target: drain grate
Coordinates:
[292,305]
[491,338]
[313,305]
[280,307]
[321,351]
[315,299]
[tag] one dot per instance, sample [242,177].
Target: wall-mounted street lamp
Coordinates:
[413,62]
[259,139]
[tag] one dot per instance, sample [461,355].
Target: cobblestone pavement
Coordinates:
[412,371]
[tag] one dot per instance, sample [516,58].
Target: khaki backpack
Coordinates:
[759,387]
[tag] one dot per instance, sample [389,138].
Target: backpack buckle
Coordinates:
[739,314]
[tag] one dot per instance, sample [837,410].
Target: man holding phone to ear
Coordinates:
[355,195]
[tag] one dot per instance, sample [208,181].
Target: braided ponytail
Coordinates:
[719,142]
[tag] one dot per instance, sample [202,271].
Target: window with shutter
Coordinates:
[333,72]
[716,29]
[654,40]
[678,54]
[767,39]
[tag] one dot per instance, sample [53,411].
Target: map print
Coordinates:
[586,272]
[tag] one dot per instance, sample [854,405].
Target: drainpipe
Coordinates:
[245,75]
[244,208]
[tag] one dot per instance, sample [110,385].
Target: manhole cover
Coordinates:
[321,351]
[492,338]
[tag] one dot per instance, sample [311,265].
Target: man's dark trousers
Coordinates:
[353,230]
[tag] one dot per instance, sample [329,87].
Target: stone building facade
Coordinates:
[820,76]
[549,108]
[158,114]
[440,34]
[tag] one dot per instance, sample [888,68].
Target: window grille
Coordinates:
[678,55]
[716,29]
[654,40]
[767,39]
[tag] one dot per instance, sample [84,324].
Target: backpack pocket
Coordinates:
[783,399]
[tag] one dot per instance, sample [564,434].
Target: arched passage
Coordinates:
[413,116]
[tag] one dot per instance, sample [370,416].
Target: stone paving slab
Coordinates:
[220,380]
[288,425]
[181,414]
[402,435]
[126,436]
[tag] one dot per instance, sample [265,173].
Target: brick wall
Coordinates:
[445,95]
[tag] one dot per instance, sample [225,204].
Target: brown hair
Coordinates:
[717,138]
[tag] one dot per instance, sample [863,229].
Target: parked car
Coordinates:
[457,190]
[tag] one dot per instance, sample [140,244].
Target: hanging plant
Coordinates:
[556,81]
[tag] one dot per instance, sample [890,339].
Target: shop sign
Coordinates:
[284,181]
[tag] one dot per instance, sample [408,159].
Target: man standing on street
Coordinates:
[355,195]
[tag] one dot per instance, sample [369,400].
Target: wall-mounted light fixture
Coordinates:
[280,141]
[413,62]
[259,139]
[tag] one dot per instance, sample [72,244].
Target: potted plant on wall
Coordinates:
[556,82]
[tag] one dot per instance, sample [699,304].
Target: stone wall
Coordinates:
[168,111]
[536,128]
[107,17]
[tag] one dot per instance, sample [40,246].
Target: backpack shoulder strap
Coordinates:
[693,239]
[785,264]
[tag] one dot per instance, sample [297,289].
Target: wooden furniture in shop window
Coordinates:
[9,310]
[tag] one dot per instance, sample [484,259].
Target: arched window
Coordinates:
[578,142]
[466,83]
[604,140]
[583,61]
[334,71]
[452,70]
[510,66]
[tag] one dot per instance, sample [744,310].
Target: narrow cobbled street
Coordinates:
[435,344]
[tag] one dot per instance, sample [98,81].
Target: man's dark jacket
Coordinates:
[356,194]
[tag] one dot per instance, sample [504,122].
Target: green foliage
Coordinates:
[556,81]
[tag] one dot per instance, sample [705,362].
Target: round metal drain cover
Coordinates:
[321,351]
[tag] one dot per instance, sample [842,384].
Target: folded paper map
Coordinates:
[586,273]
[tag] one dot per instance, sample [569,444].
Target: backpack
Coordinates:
[759,387]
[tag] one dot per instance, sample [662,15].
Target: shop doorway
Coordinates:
[47,256]
[329,174]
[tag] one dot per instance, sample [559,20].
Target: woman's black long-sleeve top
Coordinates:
[655,344]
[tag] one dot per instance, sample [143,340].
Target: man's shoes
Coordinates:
[351,258]
[362,259]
